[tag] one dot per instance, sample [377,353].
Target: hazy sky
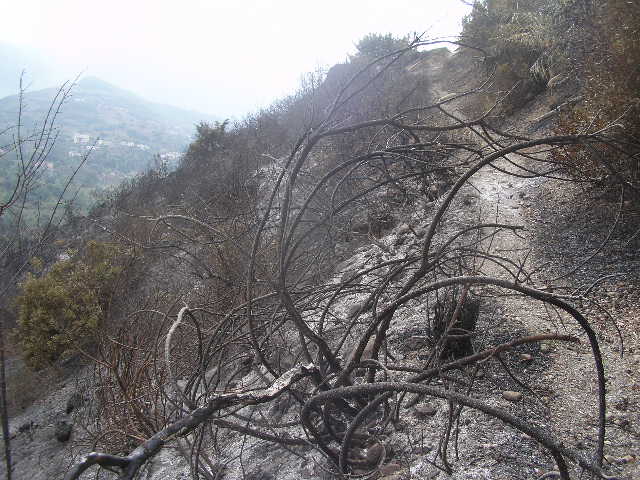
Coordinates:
[222,57]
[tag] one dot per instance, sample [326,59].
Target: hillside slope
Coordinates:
[357,281]
[118,131]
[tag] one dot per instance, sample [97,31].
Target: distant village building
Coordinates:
[106,143]
[74,154]
[81,138]
[143,147]
[92,147]
[170,156]
[128,144]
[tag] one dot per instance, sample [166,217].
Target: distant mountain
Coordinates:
[122,131]
[101,110]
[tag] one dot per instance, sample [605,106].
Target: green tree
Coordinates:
[376,45]
[61,310]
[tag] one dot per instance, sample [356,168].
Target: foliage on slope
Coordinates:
[593,46]
[61,310]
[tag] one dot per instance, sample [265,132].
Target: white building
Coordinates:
[170,155]
[81,138]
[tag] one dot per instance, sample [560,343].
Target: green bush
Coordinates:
[61,310]
[376,45]
[519,46]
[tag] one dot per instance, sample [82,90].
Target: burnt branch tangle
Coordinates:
[364,287]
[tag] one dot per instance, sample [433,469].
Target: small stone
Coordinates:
[545,347]
[390,468]
[375,453]
[526,357]
[353,310]
[512,396]
[403,229]
[415,343]
[425,410]
[394,476]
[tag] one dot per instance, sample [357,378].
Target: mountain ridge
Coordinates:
[122,131]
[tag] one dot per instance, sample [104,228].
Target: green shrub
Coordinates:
[519,46]
[61,310]
[375,45]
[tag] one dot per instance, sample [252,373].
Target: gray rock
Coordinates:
[394,476]
[353,310]
[627,459]
[403,229]
[390,468]
[260,475]
[425,410]
[375,453]
[526,357]
[414,343]
[512,396]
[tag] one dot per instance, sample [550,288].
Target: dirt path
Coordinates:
[563,377]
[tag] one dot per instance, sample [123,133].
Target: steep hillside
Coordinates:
[401,271]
